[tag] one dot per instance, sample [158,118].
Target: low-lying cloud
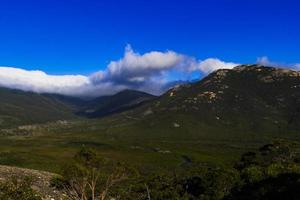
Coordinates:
[211,64]
[40,82]
[267,62]
[149,72]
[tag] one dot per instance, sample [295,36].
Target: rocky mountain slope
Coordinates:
[249,96]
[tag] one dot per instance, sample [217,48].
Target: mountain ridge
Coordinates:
[252,96]
[18,107]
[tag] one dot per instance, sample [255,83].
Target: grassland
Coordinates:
[148,144]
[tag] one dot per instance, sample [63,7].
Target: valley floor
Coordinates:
[49,146]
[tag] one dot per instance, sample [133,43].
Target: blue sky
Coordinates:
[79,36]
[62,37]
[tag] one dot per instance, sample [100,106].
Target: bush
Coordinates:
[252,174]
[15,189]
[275,169]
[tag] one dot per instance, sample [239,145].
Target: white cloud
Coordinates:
[148,72]
[136,68]
[211,64]
[38,81]
[267,62]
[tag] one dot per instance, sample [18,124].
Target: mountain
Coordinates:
[18,107]
[248,97]
[106,105]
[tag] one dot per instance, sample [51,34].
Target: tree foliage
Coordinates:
[90,176]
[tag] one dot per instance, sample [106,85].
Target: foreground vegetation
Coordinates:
[268,173]
[271,172]
[132,159]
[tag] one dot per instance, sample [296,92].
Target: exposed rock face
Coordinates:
[176,125]
[148,112]
[208,94]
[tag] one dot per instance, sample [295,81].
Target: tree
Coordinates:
[90,176]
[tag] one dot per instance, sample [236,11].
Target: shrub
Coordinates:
[17,188]
[252,174]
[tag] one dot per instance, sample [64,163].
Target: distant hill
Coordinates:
[19,107]
[106,105]
[248,97]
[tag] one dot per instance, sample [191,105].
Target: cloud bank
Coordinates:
[149,72]
[40,82]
